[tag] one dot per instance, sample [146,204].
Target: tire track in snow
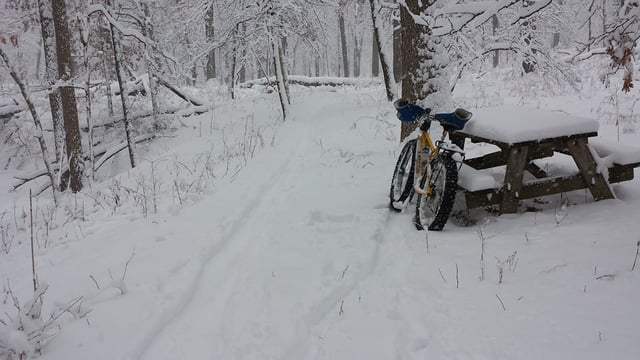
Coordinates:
[229,233]
[300,347]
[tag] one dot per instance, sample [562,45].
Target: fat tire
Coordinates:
[406,158]
[444,193]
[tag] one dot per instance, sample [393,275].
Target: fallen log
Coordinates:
[181,94]
[105,152]
[312,81]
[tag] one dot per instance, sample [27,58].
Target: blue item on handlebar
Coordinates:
[408,112]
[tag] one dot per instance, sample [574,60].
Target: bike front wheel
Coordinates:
[402,181]
[435,201]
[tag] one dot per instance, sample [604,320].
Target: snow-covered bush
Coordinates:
[23,334]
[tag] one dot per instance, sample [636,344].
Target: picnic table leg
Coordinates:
[587,165]
[516,163]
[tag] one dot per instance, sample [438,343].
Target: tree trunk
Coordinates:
[283,68]
[147,30]
[67,94]
[282,92]
[375,54]
[357,52]
[242,72]
[36,121]
[234,62]
[398,68]
[413,83]
[529,65]
[49,46]
[84,40]
[389,84]
[209,30]
[123,94]
[496,53]
[343,42]
[107,80]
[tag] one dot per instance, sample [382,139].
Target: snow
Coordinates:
[617,153]
[513,124]
[474,180]
[292,253]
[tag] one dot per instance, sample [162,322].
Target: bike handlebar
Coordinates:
[408,112]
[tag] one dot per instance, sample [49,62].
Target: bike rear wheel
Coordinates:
[402,181]
[433,210]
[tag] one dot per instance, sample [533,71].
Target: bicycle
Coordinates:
[436,165]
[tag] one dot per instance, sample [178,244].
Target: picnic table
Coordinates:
[525,135]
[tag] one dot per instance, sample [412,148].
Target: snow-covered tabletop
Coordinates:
[513,124]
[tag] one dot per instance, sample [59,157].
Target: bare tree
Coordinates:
[123,91]
[380,54]
[49,46]
[343,40]
[36,120]
[413,54]
[210,35]
[67,94]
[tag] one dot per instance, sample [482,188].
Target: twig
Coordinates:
[126,265]
[442,276]
[606,277]
[457,278]
[341,311]
[344,271]
[94,281]
[555,268]
[33,258]
[637,253]
[501,303]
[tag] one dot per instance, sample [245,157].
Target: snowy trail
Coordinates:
[263,258]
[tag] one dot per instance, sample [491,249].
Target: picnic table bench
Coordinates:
[524,135]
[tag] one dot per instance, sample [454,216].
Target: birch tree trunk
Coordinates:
[283,69]
[51,69]
[67,95]
[36,121]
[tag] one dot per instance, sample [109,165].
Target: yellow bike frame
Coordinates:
[425,141]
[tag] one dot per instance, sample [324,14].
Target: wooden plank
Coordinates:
[516,162]
[476,199]
[457,139]
[619,173]
[529,191]
[504,145]
[587,166]
[486,161]
[536,171]
[497,158]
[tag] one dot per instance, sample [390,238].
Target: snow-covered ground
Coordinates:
[273,240]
